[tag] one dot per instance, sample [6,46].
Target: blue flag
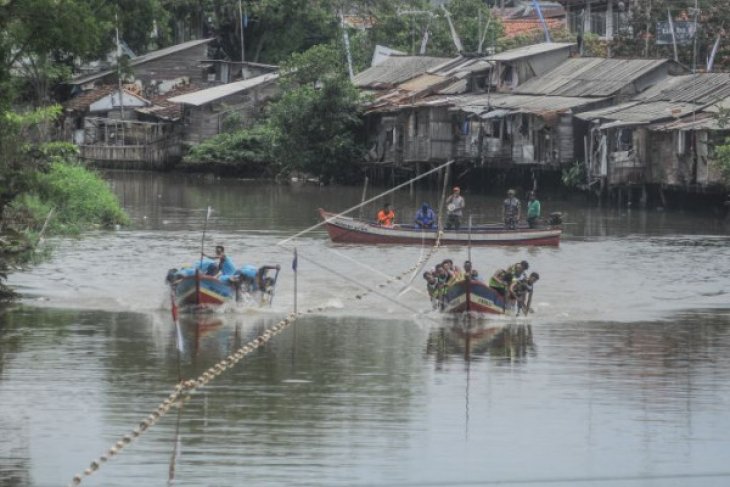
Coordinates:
[294,262]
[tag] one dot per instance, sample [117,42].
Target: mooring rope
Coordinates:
[184,388]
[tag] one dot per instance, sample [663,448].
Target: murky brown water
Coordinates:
[621,377]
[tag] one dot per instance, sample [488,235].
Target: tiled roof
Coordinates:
[517,27]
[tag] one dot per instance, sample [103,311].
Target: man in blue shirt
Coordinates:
[226,267]
[425,217]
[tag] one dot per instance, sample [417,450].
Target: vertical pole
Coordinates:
[364,194]
[294,268]
[674,37]
[694,39]
[243,43]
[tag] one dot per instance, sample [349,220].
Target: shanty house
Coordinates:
[516,66]
[662,137]
[206,112]
[145,137]
[176,64]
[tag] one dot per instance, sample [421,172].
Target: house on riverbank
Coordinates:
[207,113]
[514,109]
[663,138]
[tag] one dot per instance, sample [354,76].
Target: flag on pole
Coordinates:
[295,262]
[711,61]
[207,215]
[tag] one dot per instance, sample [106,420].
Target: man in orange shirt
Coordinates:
[386,216]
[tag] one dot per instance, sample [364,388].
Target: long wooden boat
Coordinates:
[472,296]
[344,229]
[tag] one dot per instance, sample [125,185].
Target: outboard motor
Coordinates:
[556,219]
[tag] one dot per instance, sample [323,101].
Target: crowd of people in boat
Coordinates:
[426,217]
[513,283]
[248,278]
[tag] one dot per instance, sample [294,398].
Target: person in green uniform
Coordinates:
[533,210]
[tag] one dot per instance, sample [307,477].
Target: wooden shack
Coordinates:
[207,112]
[178,63]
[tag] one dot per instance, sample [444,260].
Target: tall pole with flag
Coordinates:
[205,229]
[294,264]
[243,43]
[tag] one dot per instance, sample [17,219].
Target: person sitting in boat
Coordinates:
[441,275]
[226,267]
[470,271]
[501,281]
[511,210]
[386,216]
[522,291]
[425,217]
[519,270]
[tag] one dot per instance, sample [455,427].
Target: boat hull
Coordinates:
[472,296]
[202,292]
[349,230]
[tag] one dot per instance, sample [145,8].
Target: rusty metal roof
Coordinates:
[640,113]
[395,70]
[590,77]
[482,103]
[700,121]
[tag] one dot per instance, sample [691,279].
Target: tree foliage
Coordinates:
[315,124]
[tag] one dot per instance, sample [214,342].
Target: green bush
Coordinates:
[80,200]
[245,151]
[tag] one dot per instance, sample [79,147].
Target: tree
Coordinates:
[39,40]
[314,124]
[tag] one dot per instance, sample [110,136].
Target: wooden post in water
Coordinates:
[364,195]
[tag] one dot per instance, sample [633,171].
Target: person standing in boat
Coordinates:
[226,267]
[386,216]
[425,217]
[454,207]
[511,210]
[533,210]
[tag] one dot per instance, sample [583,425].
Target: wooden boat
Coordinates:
[344,229]
[196,291]
[472,295]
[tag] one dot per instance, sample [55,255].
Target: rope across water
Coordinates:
[184,388]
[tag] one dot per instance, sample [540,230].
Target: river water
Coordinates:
[620,377]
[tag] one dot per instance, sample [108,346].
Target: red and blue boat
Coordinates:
[472,296]
[195,290]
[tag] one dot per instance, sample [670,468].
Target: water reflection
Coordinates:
[471,338]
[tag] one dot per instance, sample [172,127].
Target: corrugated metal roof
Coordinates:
[523,103]
[455,88]
[700,88]
[422,82]
[394,70]
[590,77]
[701,121]
[461,65]
[635,112]
[144,58]
[208,95]
[528,51]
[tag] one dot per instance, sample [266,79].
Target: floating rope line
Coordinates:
[184,388]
